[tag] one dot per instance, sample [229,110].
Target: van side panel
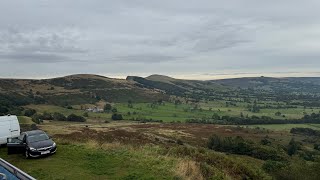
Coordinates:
[4,131]
[9,128]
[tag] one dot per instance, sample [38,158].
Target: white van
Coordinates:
[9,128]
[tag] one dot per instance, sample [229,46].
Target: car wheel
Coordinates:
[27,154]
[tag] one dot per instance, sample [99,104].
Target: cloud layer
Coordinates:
[125,37]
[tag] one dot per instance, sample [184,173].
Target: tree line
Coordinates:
[229,120]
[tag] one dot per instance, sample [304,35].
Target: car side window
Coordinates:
[22,137]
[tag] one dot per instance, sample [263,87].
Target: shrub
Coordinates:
[30,112]
[293,147]
[107,107]
[278,113]
[272,166]
[75,118]
[265,141]
[34,127]
[238,145]
[59,117]
[37,118]
[3,110]
[297,169]
[114,110]
[47,116]
[305,131]
[116,117]
[180,142]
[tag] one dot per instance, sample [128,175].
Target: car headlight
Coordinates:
[32,149]
[54,145]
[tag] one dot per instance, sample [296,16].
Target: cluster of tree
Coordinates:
[277,113]
[312,117]
[216,119]
[177,102]
[229,120]
[312,103]
[278,106]
[254,108]
[116,116]
[203,121]
[316,147]
[230,104]
[155,104]
[12,103]
[76,118]
[145,120]
[38,118]
[130,105]
[294,169]
[293,147]
[238,145]
[131,113]
[305,131]
[3,110]
[108,108]
[29,112]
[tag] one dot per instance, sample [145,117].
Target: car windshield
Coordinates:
[37,137]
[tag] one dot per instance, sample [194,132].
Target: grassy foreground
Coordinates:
[118,161]
[81,162]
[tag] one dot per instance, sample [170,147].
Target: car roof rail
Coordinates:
[15,171]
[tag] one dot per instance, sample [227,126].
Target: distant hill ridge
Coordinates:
[89,88]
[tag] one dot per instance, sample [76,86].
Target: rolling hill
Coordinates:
[86,88]
[77,89]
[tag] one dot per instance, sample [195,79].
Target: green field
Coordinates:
[169,112]
[66,112]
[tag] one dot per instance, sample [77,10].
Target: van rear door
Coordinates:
[14,127]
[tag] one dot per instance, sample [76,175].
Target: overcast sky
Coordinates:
[198,39]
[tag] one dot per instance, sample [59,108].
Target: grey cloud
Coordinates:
[32,58]
[37,46]
[219,36]
[147,58]
[164,36]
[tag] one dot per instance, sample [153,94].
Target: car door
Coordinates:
[16,145]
